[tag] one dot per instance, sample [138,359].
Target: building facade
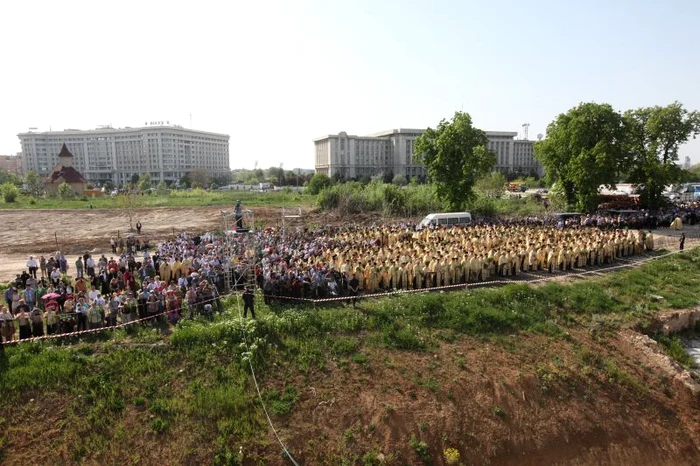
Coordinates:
[108,154]
[347,156]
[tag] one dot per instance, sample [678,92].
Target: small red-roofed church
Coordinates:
[65,172]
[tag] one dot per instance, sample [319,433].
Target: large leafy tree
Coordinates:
[199,178]
[654,135]
[35,185]
[456,156]
[584,149]
[8,176]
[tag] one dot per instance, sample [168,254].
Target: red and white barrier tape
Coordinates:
[104,328]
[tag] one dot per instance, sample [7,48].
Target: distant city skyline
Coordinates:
[276,75]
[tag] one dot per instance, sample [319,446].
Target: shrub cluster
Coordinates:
[389,199]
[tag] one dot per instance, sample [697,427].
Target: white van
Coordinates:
[445,219]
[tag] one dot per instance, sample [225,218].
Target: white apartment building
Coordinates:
[392,151]
[167,152]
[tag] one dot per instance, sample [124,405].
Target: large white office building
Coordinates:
[165,151]
[348,156]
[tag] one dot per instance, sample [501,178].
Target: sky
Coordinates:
[276,74]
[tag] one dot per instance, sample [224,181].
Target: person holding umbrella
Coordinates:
[49,297]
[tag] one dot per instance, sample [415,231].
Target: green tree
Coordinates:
[9,191]
[8,176]
[135,179]
[185,181]
[145,182]
[318,182]
[129,203]
[162,188]
[492,185]
[65,191]
[35,185]
[692,175]
[584,150]
[654,135]
[200,177]
[455,155]
[222,180]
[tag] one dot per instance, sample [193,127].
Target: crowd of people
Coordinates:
[186,275]
[134,286]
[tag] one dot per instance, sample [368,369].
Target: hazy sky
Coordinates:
[276,74]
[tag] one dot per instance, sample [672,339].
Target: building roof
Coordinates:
[68,174]
[64,152]
[114,131]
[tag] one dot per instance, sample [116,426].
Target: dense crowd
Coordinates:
[176,281]
[385,258]
[186,275]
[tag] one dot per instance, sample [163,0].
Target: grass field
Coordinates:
[195,385]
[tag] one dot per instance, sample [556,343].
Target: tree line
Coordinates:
[594,144]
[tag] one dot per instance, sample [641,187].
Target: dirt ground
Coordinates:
[42,232]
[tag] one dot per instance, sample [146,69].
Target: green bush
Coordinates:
[9,192]
[318,183]
[389,199]
[65,191]
[674,348]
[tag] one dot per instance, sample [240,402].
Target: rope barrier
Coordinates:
[257,387]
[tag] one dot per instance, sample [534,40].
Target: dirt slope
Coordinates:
[540,401]
[524,400]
